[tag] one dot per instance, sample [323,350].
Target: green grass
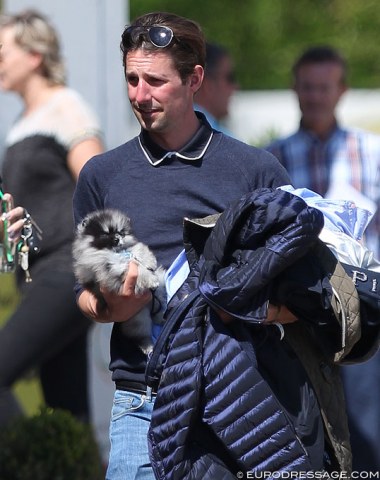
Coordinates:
[28,389]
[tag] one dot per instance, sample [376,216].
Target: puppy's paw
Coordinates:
[146,280]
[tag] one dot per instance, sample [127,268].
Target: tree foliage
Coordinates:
[265,36]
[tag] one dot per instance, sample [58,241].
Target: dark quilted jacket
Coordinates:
[214,413]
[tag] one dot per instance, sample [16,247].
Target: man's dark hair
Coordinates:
[187,49]
[321,54]
[214,54]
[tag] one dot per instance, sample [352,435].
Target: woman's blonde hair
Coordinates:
[34,33]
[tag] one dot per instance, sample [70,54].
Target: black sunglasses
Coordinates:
[158,35]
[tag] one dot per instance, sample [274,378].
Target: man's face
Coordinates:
[159,98]
[221,85]
[319,87]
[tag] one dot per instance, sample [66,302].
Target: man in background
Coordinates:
[337,162]
[219,83]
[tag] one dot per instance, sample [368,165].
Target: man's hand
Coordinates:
[121,306]
[276,313]
[279,314]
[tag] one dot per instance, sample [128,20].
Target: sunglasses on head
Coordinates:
[158,35]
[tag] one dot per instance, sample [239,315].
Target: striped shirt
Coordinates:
[348,159]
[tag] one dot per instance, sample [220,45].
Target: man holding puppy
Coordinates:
[177,167]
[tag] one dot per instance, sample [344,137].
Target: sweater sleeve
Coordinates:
[87,195]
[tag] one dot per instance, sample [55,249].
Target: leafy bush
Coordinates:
[52,445]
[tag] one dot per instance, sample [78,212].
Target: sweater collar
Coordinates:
[194,149]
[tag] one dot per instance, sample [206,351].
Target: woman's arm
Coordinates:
[81,152]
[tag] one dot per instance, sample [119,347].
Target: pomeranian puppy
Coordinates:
[103,247]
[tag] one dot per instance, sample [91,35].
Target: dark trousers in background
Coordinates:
[362,390]
[47,332]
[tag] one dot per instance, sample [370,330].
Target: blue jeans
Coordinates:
[130,419]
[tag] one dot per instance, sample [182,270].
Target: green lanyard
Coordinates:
[7,245]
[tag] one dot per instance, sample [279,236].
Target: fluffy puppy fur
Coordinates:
[103,247]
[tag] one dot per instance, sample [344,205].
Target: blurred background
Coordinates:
[263,36]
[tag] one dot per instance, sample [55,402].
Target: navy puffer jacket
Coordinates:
[215,414]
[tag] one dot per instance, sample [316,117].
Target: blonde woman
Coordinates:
[46,148]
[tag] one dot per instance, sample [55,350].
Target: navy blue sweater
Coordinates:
[158,197]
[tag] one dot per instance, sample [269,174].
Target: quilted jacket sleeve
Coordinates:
[251,244]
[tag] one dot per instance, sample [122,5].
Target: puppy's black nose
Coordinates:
[116,240]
